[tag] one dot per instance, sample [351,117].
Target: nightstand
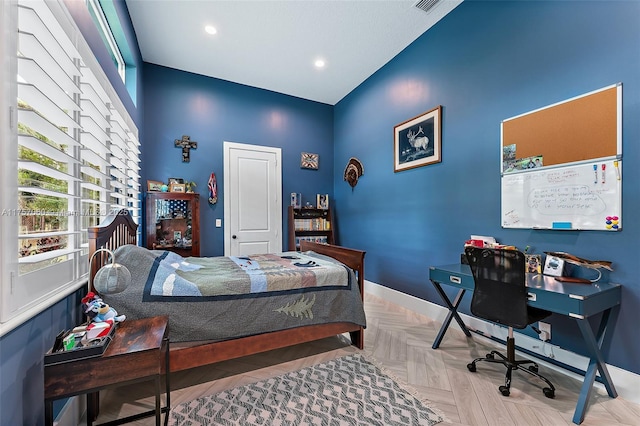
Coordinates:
[139,351]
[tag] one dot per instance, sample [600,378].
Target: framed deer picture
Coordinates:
[418,141]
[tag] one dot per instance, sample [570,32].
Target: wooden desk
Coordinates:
[577,301]
[139,351]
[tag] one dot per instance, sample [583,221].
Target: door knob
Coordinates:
[234,237]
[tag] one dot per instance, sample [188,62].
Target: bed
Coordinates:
[118,233]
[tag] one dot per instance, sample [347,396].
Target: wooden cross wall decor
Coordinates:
[186,144]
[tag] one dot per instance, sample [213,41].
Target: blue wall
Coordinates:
[21,361]
[212,111]
[22,349]
[487,61]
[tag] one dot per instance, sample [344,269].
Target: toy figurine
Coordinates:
[98,311]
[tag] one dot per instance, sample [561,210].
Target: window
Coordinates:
[97,13]
[71,153]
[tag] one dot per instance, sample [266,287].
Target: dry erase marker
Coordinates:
[595,172]
[604,166]
[615,164]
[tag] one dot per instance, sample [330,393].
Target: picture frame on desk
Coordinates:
[417,142]
[534,263]
[554,266]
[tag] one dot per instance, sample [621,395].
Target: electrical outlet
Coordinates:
[545,331]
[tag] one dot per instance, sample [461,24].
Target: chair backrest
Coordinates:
[500,293]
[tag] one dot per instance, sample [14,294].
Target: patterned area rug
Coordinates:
[345,391]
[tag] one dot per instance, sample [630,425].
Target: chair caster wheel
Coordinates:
[505,390]
[489,356]
[533,368]
[549,393]
[471,367]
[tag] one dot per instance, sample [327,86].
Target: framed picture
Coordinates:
[177,187]
[154,185]
[309,161]
[418,141]
[175,180]
[553,266]
[322,201]
[534,263]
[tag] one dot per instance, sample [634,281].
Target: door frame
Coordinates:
[227,147]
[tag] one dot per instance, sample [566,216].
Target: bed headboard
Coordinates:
[117,229]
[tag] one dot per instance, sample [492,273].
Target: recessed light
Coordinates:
[319,63]
[210,29]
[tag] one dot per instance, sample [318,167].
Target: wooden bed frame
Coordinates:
[119,229]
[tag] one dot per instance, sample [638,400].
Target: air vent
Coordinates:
[426,5]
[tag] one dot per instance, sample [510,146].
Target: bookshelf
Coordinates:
[173,222]
[310,225]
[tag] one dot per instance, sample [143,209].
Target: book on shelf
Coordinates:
[322,239]
[315,224]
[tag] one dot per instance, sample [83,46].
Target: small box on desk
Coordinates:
[96,348]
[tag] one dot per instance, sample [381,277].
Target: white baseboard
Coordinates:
[627,383]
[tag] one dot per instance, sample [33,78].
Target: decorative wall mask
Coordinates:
[353,171]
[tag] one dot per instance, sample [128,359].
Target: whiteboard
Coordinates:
[567,197]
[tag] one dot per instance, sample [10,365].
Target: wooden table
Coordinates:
[139,351]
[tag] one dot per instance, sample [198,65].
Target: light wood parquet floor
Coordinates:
[400,340]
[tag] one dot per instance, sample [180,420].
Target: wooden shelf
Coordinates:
[310,224]
[173,217]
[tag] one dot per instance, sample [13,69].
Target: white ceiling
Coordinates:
[273,44]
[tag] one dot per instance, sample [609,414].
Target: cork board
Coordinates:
[583,128]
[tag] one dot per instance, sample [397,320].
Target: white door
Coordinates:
[252,199]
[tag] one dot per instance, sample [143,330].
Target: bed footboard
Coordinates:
[354,259]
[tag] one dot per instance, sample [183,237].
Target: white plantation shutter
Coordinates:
[125,170]
[76,154]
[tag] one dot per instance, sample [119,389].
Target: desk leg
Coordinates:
[596,345]
[48,413]
[158,410]
[167,370]
[90,408]
[453,313]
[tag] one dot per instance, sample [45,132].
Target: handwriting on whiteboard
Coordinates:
[578,199]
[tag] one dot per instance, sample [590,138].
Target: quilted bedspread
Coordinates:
[172,275]
[219,298]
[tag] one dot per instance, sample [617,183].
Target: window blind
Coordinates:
[76,151]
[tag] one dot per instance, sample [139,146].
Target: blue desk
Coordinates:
[578,301]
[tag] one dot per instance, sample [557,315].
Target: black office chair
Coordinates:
[500,296]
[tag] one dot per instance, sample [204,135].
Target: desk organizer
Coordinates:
[80,352]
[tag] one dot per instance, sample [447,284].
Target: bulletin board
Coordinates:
[583,128]
[562,164]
